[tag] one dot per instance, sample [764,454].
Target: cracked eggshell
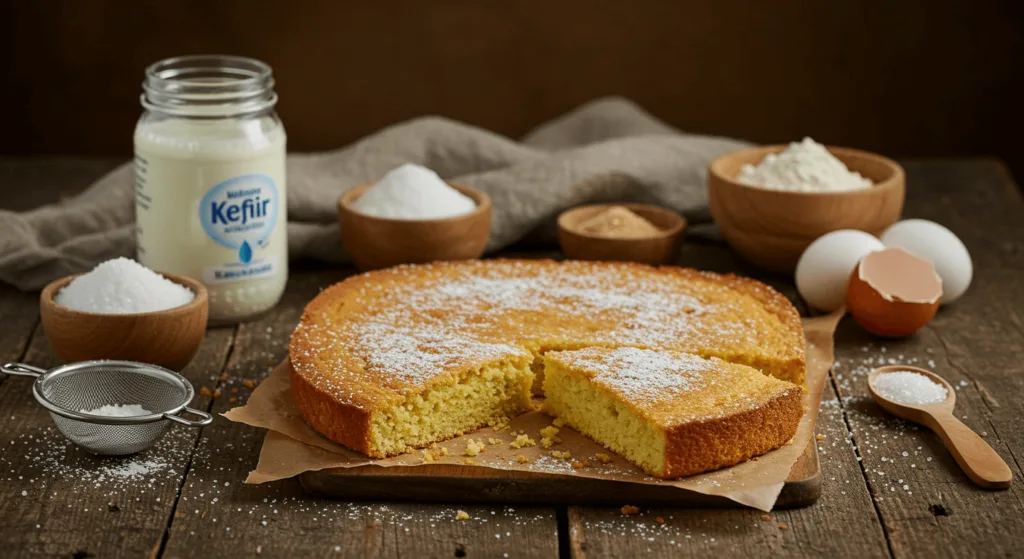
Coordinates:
[823,271]
[930,240]
[894,293]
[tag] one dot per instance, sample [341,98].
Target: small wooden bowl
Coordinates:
[169,338]
[655,250]
[771,228]
[378,242]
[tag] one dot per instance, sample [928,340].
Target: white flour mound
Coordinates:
[804,167]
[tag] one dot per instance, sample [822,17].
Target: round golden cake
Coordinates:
[395,359]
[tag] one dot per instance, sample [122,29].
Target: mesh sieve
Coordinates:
[67,391]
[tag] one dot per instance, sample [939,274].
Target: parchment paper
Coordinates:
[292,447]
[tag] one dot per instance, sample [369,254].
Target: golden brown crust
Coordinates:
[338,386]
[774,302]
[344,424]
[700,447]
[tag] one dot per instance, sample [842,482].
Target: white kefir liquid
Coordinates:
[210,204]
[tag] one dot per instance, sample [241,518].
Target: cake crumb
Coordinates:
[522,459]
[224,377]
[984,433]
[204,391]
[578,465]
[558,422]
[216,393]
[522,440]
[629,510]
[766,516]
[783,526]
[659,520]
[234,390]
[603,458]
[492,440]
[249,384]
[820,437]
[546,442]
[549,432]
[232,400]
[433,452]
[462,515]
[564,455]
[469,462]
[474,447]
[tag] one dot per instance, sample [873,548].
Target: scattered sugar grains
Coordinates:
[804,166]
[118,410]
[886,447]
[122,286]
[413,192]
[908,387]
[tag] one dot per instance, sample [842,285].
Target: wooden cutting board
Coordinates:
[468,484]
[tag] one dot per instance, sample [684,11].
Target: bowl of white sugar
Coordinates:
[413,216]
[123,310]
[771,202]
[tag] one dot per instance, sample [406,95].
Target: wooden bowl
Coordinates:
[169,338]
[379,242]
[771,228]
[655,250]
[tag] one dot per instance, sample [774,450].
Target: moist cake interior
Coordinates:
[672,414]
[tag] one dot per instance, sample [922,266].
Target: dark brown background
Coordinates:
[902,77]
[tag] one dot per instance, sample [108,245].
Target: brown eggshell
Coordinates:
[893,293]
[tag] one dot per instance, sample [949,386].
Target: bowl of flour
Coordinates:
[771,202]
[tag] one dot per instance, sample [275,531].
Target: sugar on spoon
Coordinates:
[979,461]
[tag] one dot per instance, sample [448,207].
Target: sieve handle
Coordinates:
[22,370]
[206,418]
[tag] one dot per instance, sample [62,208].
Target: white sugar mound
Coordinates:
[804,167]
[413,192]
[119,410]
[122,286]
[908,387]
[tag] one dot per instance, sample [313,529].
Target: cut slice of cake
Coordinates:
[672,414]
[386,404]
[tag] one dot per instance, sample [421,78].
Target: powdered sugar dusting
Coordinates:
[671,387]
[642,374]
[404,327]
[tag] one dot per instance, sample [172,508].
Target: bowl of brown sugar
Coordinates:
[625,232]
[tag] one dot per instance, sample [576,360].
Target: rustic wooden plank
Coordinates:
[58,500]
[226,518]
[926,503]
[449,483]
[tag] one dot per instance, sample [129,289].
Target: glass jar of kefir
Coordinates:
[210,184]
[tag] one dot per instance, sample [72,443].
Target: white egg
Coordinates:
[930,240]
[823,271]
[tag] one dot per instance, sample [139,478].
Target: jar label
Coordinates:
[240,214]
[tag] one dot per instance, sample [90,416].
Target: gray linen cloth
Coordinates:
[606,150]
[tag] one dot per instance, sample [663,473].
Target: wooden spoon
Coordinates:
[978,460]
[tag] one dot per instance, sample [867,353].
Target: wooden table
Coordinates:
[889,489]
